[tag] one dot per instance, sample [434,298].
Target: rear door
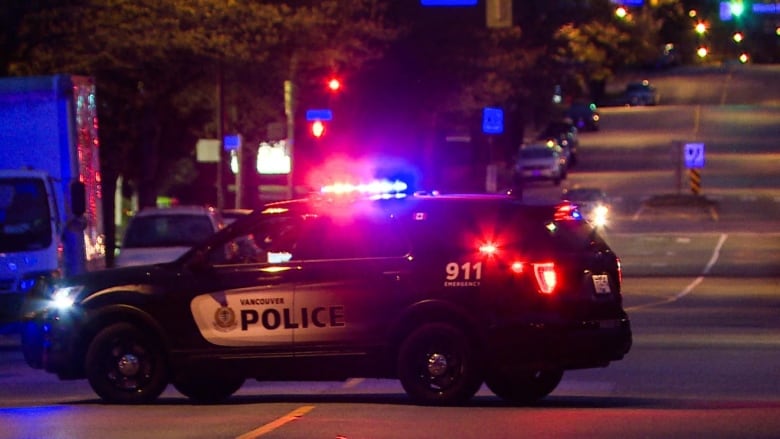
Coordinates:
[353,283]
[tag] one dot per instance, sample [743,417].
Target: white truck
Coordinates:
[50,190]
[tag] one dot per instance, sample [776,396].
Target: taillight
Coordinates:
[546,277]
[543,273]
[620,271]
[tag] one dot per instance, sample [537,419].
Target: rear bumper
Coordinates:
[584,344]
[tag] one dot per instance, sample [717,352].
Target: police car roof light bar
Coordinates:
[375,188]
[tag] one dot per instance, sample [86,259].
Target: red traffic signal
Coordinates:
[334,84]
[317,128]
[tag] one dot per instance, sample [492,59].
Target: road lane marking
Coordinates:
[691,286]
[273,425]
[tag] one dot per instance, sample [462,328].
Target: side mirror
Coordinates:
[78,198]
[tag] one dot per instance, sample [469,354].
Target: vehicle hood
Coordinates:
[148,255]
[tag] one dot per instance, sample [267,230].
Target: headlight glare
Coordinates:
[65,297]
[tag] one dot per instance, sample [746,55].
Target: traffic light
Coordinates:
[334,84]
[317,128]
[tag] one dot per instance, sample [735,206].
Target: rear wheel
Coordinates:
[125,365]
[205,389]
[524,387]
[438,364]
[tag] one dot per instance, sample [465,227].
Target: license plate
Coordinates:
[601,283]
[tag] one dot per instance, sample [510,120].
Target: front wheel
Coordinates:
[124,365]
[438,364]
[524,387]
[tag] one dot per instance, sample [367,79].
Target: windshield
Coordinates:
[25,220]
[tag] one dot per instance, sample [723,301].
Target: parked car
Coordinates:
[540,161]
[564,134]
[162,234]
[584,115]
[641,93]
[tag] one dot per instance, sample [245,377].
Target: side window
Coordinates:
[271,240]
[357,238]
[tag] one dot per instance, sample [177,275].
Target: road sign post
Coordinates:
[691,154]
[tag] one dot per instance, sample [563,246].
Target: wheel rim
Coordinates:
[128,365]
[441,368]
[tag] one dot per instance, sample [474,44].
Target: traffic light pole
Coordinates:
[289,111]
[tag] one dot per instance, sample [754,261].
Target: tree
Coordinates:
[156,65]
[598,48]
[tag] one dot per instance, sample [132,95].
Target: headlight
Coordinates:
[65,297]
[600,213]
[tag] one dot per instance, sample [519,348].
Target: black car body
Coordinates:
[442,292]
[564,134]
[584,115]
[640,93]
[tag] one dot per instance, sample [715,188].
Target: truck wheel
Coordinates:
[524,387]
[126,366]
[437,364]
[206,390]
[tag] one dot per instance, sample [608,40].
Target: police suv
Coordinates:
[441,292]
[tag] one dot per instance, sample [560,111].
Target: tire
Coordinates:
[207,390]
[124,365]
[524,387]
[438,365]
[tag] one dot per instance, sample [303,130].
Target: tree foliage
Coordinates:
[156,64]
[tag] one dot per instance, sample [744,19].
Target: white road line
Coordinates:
[690,287]
[273,425]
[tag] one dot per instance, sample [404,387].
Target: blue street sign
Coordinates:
[694,155]
[492,120]
[324,115]
[232,142]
